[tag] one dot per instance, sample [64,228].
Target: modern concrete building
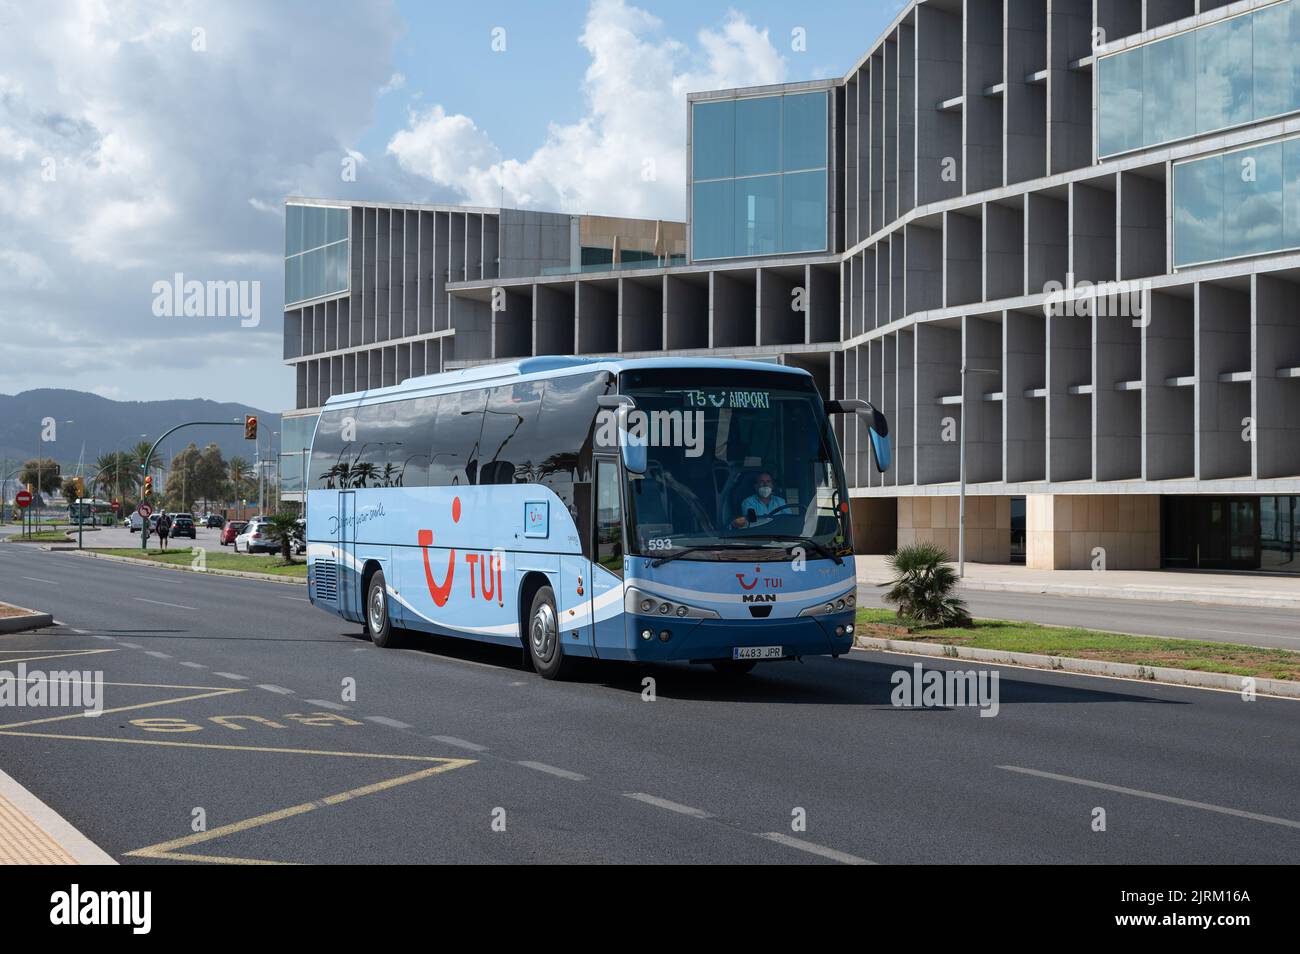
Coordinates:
[1091,206]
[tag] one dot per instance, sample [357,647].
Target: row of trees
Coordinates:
[194,476]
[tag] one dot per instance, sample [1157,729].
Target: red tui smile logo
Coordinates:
[440,592]
[740,577]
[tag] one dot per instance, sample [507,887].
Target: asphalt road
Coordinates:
[447,742]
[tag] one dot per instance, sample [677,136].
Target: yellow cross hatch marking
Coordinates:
[169,849]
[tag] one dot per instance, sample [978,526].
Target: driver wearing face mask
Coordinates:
[761,503]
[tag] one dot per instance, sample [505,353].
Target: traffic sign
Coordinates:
[116,506]
[144,510]
[23,498]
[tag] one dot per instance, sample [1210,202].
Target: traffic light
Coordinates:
[81,487]
[250,427]
[148,485]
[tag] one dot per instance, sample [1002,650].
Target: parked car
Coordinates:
[231,530]
[255,538]
[183,526]
[298,544]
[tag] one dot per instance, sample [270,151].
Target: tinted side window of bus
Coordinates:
[509,450]
[455,446]
[562,440]
[327,457]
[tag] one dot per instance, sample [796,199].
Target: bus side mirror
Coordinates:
[632,447]
[877,427]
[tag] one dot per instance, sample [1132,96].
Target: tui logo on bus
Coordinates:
[440,592]
[490,584]
[769,582]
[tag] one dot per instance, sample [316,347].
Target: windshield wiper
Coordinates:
[821,548]
[711,546]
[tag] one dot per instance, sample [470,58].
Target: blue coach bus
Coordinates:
[654,509]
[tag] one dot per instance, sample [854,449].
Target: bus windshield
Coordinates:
[737,461]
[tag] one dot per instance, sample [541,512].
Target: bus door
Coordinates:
[607,546]
[349,577]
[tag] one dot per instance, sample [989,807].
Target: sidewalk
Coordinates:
[32,833]
[1223,589]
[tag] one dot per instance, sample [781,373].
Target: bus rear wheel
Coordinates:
[378,626]
[734,667]
[543,637]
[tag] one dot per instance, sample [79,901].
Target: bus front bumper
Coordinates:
[709,640]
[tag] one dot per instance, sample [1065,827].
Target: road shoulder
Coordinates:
[32,833]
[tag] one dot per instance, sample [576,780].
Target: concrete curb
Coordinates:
[80,848]
[31,619]
[1153,594]
[1088,667]
[242,574]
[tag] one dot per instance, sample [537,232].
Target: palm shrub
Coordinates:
[922,586]
[281,528]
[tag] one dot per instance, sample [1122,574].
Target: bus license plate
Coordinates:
[758,652]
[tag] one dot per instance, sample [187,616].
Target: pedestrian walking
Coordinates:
[164,528]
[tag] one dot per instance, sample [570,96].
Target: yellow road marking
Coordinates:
[168,849]
[223,691]
[47,654]
[231,748]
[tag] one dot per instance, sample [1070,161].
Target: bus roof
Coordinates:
[545,366]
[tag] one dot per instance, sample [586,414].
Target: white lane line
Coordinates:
[38,579]
[384,720]
[843,857]
[296,599]
[326,704]
[156,654]
[459,743]
[658,802]
[552,770]
[1155,796]
[98,636]
[270,688]
[194,665]
[132,645]
[163,603]
[230,675]
[80,632]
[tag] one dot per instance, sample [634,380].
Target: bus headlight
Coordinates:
[836,604]
[637,601]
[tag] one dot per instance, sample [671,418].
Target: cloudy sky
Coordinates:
[141,141]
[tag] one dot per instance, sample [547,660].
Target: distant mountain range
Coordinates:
[105,425]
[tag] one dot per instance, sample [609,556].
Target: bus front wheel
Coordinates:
[378,625]
[543,636]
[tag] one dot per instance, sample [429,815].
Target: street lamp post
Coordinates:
[961,507]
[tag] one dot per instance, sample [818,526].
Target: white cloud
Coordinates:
[627,154]
[165,160]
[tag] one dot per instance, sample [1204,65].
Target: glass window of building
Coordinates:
[758,218]
[713,142]
[316,252]
[1169,89]
[758,136]
[758,170]
[803,213]
[1224,85]
[803,132]
[1237,204]
[1225,74]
